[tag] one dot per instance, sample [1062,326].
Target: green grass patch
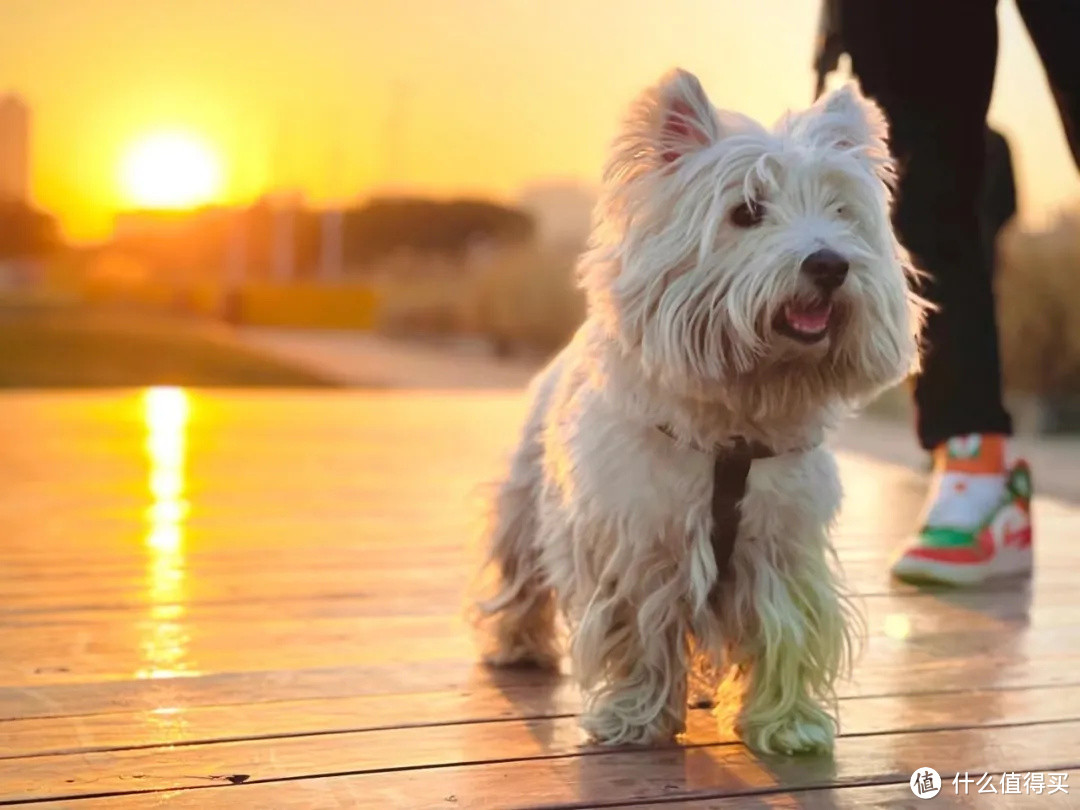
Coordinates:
[50,346]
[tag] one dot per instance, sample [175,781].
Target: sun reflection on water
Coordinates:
[165,640]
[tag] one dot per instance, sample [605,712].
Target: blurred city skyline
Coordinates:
[477,98]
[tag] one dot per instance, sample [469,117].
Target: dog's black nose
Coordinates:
[826,268]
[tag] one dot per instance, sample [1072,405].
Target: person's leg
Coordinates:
[999,195]
[1054,26]
[931,67]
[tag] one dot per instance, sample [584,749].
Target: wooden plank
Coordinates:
[163,649]
[402,597]
[868,578]
[264,573]
[45,653]
[259,686]
[1003,665]
[943,611]
[848,798]
[228,638]
[198,725]
[594,778]
[361,616]
[119,534]
[876,796]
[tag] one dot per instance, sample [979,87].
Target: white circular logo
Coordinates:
[925,783]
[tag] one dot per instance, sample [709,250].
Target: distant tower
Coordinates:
[14,149]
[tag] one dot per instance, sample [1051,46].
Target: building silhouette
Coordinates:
[14,149]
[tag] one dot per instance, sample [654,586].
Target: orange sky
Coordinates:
[488,94]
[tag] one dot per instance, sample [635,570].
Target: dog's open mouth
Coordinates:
[805,321]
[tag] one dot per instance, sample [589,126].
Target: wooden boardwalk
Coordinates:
[254,600]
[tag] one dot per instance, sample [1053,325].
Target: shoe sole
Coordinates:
[1007,562]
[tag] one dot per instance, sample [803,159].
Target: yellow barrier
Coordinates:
[317,306]
[351,306]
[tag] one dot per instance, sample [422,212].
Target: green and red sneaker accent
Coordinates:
[999,547]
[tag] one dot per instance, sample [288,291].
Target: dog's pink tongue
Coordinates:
[810,319]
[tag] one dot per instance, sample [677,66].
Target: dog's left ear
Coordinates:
[849,119]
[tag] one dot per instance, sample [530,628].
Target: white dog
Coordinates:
[744,291]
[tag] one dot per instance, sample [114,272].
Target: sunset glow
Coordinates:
[318,99]
[170,170]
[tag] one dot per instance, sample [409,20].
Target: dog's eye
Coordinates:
[747,214]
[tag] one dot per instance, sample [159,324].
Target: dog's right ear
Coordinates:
[670,120]
[685,117]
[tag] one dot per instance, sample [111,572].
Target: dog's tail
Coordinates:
[511,564]
[514,601]
[516,611]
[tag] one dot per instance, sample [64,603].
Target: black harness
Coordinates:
[731,466]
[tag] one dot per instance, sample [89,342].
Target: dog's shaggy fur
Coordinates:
[696,280]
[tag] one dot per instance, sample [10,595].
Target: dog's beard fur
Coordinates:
[607,519]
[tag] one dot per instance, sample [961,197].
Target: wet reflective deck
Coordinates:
[254,600]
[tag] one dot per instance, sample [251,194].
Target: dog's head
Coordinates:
[723,251]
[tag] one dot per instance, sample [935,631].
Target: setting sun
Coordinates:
[170,170]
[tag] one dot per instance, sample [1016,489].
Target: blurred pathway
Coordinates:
[359,358]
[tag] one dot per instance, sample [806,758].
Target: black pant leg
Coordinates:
[930,65]
[1054,26]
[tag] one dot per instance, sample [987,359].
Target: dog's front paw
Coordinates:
[523,655]
[615,724]
[804,731]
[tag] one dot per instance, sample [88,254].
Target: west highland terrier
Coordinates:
[670,497]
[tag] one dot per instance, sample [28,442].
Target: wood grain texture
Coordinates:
[196,587]
[849,798]
[200,725]
[620,777]
[171,766]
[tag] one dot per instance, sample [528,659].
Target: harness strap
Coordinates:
[731,466]
[730,471]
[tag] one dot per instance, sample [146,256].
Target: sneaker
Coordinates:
[999,546]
